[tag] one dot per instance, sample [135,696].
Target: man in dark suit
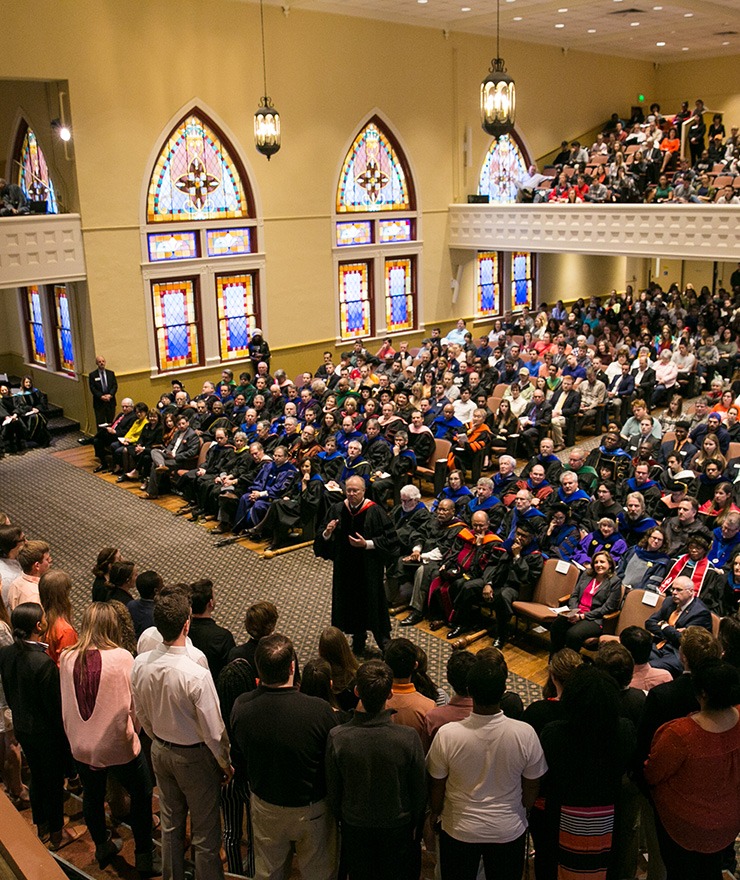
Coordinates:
[103,386]
[566,404]
[181,454]
[619,393]
[667,624]
[535,421]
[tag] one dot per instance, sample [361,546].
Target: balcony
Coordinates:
[41,249]
[696,232]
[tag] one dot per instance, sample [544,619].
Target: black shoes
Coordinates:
[413,618]
[101,469]
[105,854]
[456,632]
[499,643]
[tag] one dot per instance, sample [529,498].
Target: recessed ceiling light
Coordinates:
[422,1]
[726,43]
[517,18]
[560,25]
[688,15]
[634,24]
[660,43]
[563,9]
[464,9]
[684,48]
[657,8]
[592,30]
[509,1]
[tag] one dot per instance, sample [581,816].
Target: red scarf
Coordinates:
[700,571]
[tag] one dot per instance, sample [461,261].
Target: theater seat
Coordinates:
[552,590]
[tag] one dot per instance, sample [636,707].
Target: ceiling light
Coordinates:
[266,119]
[497,93]
[726,43]
[688,15]
[422,1]
[684,48]
[62,129]
[591,30]
[634,24]
[563,9]
[464,9]
[661,43]
[517,18]
[657,8]
[560,25]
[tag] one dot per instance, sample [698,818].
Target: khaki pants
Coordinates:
[558,423]
[312,830]
[189,779]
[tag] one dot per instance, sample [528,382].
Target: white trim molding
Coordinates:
[692,232]
[41,249]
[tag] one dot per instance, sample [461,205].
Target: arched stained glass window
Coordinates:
[488,298]
[373,176]
[504,164]
[196,177]
[33,173]
[35,325]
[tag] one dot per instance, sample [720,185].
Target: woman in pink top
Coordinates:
[98,714]
[694,772]
[54,589]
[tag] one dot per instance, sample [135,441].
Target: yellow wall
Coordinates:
[714,80]
[131,65]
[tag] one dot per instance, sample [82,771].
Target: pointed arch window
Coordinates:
[377,259]
[506,161]
[200,213]
[33,172]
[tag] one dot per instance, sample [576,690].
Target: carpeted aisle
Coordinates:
[78,514]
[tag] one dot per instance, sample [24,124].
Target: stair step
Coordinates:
[61,425]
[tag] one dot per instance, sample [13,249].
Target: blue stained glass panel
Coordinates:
[488,288]
[521,280]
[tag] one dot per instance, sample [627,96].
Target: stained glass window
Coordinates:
[35,320]
[172,246]
[521,281]
[176,323]
[354,233]
[399,293]
[395,230]
[225,242]
[196,177]
[488,288]
[504,164]
[33,173]
[236,314]
[65,349]
[354,299]
[373,176]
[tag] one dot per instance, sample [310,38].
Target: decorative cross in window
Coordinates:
[372,179]
[197,183]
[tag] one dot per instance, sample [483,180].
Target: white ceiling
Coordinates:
[688,28]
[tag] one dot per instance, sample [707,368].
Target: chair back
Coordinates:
[635,612]
[439,453]
[553,585]
[204,447]
[733,450]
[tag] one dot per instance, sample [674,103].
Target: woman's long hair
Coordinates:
[334,648]
[106,558]
[54,589]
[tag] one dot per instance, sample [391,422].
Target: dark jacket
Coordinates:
[605,600]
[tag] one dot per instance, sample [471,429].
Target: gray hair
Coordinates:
[410,493]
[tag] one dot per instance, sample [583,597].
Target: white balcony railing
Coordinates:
[695,232]
[41,249]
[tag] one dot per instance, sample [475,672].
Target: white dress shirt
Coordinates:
[176,701]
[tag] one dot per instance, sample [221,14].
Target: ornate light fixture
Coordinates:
[266,119]
[497,95]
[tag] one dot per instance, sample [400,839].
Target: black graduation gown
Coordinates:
[358,595]
[303,508]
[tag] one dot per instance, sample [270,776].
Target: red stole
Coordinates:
[700,571]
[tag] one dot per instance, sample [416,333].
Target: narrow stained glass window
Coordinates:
[354,299]
[488,301]
[37,342]
[373,176]
[504,164]
[63,329]
[196,177]
[236,315]
[175,321]
[399,293]
[521,281]
[33,173]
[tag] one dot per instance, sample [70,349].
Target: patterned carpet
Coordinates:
[77,513]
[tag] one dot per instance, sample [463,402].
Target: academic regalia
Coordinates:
[422,442]
[302,509]
[634,530]
[358,595]
[330,465]
[460,496]
[276,481]
[551,463]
